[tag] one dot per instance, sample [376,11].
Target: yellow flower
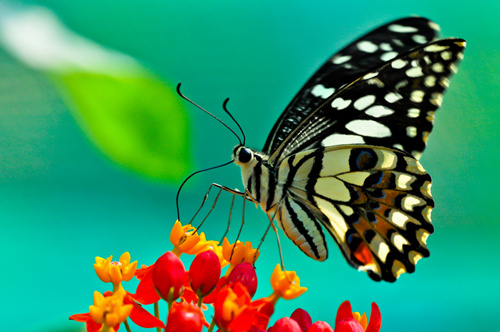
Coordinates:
[110,310]
[115,272]
[186,240]
[286,284]
[241,253]
[363,320]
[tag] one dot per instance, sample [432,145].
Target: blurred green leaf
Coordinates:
[136,120]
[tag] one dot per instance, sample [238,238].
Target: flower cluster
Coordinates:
[188,292]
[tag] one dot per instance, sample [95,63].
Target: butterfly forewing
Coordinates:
[374,201]
[391,106]
[353,61]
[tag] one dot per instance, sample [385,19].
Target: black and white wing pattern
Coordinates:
[353,61]
[344,154]
[391,106]
[375,202]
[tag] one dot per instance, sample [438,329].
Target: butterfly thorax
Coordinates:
[258,176]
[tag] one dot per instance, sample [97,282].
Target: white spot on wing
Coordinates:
[339,139]
[401,28]
[388,56]
[368,128]
[410,201]
[392,97]
[320,91]
[398,218]
[417,96]
[415,72]
[364,102]
[367,46]
[378,111]
[398,64]
[340,103]
[419,39]
[385,47]
[398,240]
[411,131]
[413,113]
[339,59]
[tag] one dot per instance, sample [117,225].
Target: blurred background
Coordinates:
[94,144]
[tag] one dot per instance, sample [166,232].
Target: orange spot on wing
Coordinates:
[363,254]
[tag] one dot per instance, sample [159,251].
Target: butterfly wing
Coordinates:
[370,51]
[390,106]
[374,201]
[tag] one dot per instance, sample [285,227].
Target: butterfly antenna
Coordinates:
[231,116]
[190,176]
[204,110]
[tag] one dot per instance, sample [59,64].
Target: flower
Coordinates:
[186,240]
[286,284]
[168,277]
[138,315]
[233,312]
[204,273]
[303,318]
[320,326]
[347,322]
[238,252]
[109,311]
[145,292]
[285,324]
[185,317]
[115,272]
[244,273]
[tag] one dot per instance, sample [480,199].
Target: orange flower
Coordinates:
[286,284]
[110,311]
[115,272]
[238,252]
[186,240]
[232,311]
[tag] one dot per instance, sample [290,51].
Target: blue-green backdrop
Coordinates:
[62,201]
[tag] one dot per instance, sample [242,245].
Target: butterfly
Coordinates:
[343,156]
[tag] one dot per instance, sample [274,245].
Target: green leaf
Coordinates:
[135,119]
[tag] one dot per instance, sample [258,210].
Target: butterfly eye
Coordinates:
[244,155]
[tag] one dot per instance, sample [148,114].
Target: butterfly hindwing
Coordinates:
[353,61]
[391,106]
[374,201]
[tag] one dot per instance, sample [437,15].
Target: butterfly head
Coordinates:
[242,155]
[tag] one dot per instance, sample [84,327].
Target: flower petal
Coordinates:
[375,319]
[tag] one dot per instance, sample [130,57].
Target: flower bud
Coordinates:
[285,324]
[204,273]
[303,318]
[168,277]
[184,317]
[321,326]
[244,273]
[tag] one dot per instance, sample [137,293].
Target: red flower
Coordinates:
[145,292]
[320,326]
[168,277]
[285,324]
[303,318]
[233,312]
[345,321]
[244,273]
[204,273]
[185,317]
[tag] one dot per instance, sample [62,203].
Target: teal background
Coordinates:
[62,202]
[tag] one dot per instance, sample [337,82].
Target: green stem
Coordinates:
[157,315]
[127,326]
[200,301]
[212,324]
